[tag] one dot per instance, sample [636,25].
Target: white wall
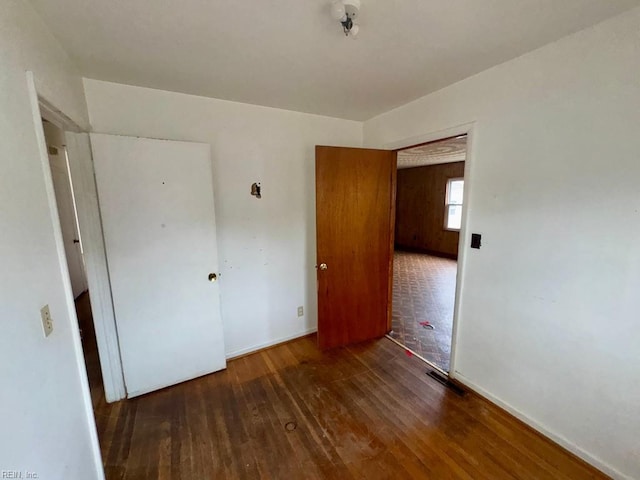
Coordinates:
[45,411]
[550,306]
[266,246]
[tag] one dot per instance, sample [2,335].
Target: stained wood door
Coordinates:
[355,202]
[156,201]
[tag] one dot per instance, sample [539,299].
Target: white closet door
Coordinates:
[156,202]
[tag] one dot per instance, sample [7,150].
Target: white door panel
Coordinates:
[156,201]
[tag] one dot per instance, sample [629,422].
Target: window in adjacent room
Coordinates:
[453,204]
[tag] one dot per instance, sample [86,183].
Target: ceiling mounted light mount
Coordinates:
[346,11]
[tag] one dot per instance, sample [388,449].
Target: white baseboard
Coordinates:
[260,346]
[563,442]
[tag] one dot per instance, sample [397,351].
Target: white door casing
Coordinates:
[84,186]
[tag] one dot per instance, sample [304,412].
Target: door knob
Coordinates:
[323,266]
[213,277]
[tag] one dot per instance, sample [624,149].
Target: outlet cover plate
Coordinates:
[47,322]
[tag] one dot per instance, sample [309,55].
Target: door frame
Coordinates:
[468,130]
[38,106]
[90,227]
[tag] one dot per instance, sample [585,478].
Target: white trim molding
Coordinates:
[546,432]
[468,130]
[90,225]
[260,346]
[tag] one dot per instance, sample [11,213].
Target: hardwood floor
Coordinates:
[363,412]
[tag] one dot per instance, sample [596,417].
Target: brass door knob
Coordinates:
[323,266]
[213,277]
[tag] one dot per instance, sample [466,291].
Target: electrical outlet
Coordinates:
[47,322]
[300,311]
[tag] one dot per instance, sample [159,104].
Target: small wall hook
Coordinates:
[255,190]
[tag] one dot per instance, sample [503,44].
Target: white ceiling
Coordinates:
[291,54]
[444,151]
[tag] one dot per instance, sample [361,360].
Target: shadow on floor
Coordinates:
[90,348]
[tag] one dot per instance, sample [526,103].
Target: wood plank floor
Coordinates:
[363,412]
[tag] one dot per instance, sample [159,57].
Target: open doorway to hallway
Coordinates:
[67,213]
[429,197]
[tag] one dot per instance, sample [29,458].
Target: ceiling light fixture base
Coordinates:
[346,12]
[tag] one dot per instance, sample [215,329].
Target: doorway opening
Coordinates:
[68,215]
[428,218]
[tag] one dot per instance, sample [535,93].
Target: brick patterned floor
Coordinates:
[424,288]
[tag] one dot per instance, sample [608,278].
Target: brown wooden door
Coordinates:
[355,202]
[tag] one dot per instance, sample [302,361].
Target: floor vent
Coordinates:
[446,382]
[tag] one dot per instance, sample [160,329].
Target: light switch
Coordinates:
[476,240]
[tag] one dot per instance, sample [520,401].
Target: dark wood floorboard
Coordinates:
[363,412]
[89,347]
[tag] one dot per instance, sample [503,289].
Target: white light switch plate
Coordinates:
[47,322]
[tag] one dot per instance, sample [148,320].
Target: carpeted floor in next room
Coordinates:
[424,288]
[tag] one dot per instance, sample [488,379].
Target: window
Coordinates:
[453,204]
